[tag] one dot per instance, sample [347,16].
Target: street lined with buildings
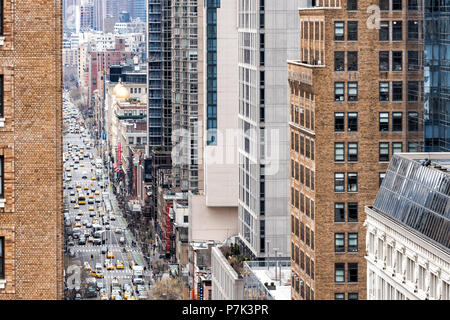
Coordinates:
[224,150]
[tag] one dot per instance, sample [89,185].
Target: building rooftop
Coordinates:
[268,272]
[416,194]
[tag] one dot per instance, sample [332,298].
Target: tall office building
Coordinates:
[437,74]
[86,16]
[99,14]
[137,9]
[187,46]
[268,36]
[31,168]
[356,99]
[159,74]
[213,211]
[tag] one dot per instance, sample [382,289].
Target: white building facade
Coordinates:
[268,35]
[407,239]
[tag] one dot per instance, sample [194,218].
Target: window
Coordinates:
[384,91]
[397,147]
[352,121]
[413,60]
[352,182]
[339,60]
[384,121]
[339,31]
[352,30]
[353,296]
[352,152]
[352,242]
[352,5]
[384,31]
[397,121]
[413,30]
[397,91]
[421,278]
[397,60]
[339,125]
[413,91]
[396,4]
[381,177]
[2,258]
[339,296]
[413,147]
[339,154]
[383,60]
[339,272]
[384,151]
[352,61]
[352,208]
[413,5]
[339,182]
[339,242]
[2,175]
[384,5]
[339,91]
[397,31]
[307,235]
[410,268]
[302,231]
[352,272]
[339,212]
[352,91]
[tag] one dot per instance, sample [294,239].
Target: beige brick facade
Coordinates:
[313,107]
[31,144]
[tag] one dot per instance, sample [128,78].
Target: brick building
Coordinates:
[31,189]
[355,100]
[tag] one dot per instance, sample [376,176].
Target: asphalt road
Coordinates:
[83,253]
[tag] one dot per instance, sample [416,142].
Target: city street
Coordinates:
[84,177]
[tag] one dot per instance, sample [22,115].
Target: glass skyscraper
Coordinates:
[437,75]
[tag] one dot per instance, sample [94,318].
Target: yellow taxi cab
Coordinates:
[100,210]
[91,209]
[87,266]
[94,178]
[78,185]
[76,206]
[110,255]
[91,196]
[131,298]
[104,296]
[93,273]
[115,281]
[127,294]
[91,239]
[97,193]
[68,169]
[114,294]
[77,225]
[81,164]
[86,188]
[119,264]
[99,274]
[109,266]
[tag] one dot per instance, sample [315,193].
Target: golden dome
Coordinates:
[119,85]
[122,93]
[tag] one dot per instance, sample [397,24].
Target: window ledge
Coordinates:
[2,122]
[2,205]
[2,284]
